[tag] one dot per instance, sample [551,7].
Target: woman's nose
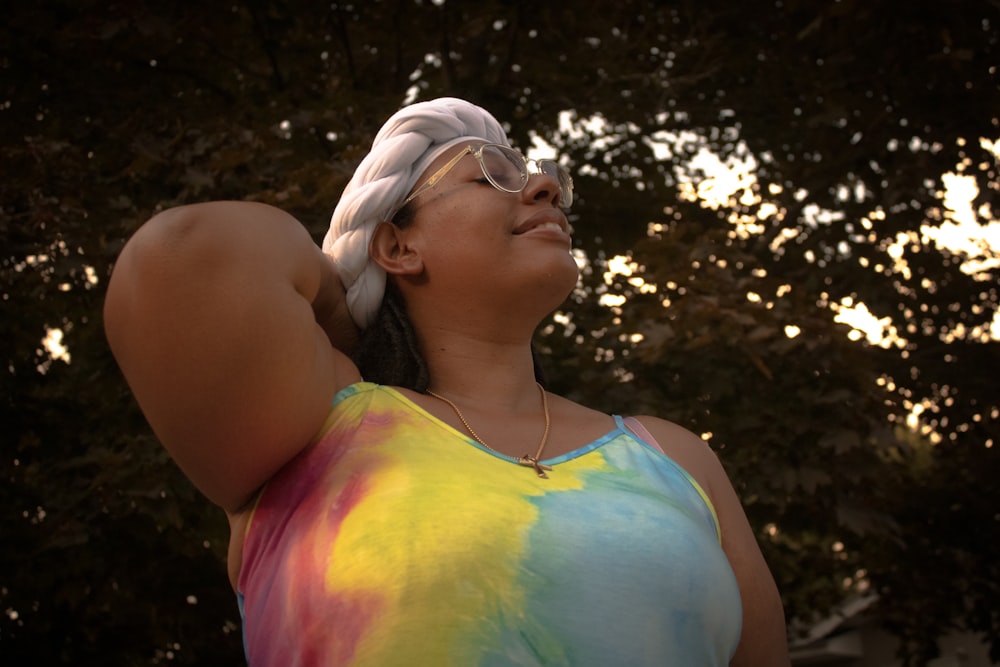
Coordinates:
[541,187]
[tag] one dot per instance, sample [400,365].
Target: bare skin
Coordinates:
[231,327]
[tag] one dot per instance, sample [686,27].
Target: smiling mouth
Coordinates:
[547,225]
[548,222]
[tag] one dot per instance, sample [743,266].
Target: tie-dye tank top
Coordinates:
[396,540]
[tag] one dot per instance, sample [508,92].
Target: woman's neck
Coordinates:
[498,371]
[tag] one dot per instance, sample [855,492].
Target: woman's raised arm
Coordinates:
[226,320]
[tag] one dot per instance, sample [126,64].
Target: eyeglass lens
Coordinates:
[505,168]
[508,170]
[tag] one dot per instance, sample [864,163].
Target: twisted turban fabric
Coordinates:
[405,146]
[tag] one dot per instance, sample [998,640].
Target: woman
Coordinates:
[447,510]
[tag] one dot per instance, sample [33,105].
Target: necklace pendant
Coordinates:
[532,462]
[527,460]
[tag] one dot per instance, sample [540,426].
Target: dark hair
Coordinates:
[389,352]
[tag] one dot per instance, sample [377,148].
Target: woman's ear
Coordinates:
[389,249]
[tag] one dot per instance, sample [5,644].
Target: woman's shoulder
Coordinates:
[687,449]
[672,438]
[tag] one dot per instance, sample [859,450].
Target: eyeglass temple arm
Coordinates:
[436,176]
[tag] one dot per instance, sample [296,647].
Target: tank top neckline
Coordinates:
[581,451]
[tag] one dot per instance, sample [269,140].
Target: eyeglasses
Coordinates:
[506,170]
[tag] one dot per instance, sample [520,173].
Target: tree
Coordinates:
[716,313]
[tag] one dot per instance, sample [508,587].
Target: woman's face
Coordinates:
[472,235]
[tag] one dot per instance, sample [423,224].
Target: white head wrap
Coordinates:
[405,146]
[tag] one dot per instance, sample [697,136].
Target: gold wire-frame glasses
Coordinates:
[505,169]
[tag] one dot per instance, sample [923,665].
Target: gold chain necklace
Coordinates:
[526,460]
